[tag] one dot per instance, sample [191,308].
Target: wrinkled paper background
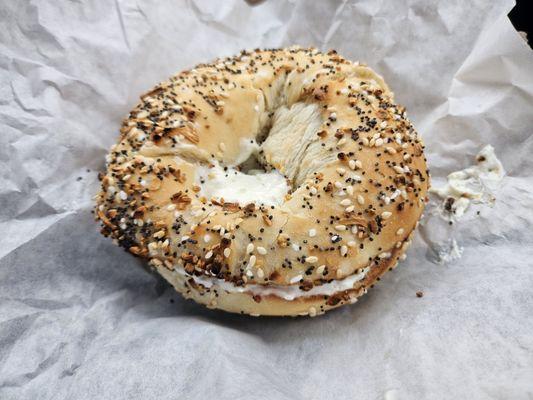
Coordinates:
[80,319]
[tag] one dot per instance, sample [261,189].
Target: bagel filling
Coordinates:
[247,183]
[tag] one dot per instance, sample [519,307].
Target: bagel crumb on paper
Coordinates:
[276,182]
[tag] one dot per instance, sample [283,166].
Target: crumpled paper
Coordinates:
[80,318]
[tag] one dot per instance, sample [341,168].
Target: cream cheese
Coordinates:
[472,184]
[285,292]
[449,252]
[234,186]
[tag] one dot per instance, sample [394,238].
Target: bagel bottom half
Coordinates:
[246,302]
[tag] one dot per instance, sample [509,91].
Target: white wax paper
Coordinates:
[80,318]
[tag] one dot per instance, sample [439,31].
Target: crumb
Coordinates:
[79,178]
[419,294]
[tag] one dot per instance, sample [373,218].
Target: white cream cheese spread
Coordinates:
[255,186]
[285,292]
[473,184]
[234,186]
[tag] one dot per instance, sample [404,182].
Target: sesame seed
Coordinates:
[251,263]
[386,214]
[312,232]
[207,238]
[349,209]
[185,238]
[312,311]
[313,190]
[171,207]
[341,171]
[351,243]
[227,252]
[208,255]
[122,194]
[344,250]
[385,255]
[260,273]
[400,231]
[250,248]
[295,279]
[360,199]
[351,164]
[339,274]
[358,164]
[340,227]
[311,259]
[379,142]
[396,194]
[295,247]
[390,150]
[261,250]
[338,185]
[222,146]
[346,202]
[398,169]
[349,190]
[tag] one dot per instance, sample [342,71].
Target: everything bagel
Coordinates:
[275,182]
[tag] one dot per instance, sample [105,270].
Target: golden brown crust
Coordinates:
[359,187]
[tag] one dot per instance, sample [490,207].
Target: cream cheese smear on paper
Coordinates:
[475,184]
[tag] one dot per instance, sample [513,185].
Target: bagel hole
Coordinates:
[251,166]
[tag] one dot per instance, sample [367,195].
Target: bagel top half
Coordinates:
[337,181]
